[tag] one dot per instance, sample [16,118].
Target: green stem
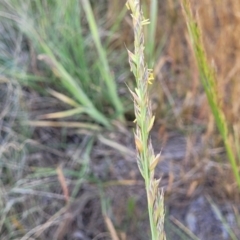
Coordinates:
[232,161]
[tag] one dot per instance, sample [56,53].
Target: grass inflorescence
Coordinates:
[207,77]
[146,158]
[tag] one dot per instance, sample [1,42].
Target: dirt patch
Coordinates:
[102,178]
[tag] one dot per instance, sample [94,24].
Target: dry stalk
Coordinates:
[146,158]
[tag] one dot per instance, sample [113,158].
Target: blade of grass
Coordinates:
[85,168]
[63,114]
[221,218]
[104,68]
[115,145]
[63,182]
[237,141]
[183,228]
[63,98]
[63,124]
[150,46]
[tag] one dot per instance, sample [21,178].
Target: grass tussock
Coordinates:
[86,78]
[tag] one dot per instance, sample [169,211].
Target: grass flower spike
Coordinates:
[146,158]
[208,80]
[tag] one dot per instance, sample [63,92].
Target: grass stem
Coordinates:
[146,158]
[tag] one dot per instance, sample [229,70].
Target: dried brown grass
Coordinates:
[220,25]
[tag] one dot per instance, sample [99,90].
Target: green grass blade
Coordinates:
[105,70]
[150,46]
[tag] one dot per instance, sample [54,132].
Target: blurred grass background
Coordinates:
[65,65]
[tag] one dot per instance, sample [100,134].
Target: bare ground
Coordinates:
[99,172]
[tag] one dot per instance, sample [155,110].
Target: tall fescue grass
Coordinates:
[208,80]
[146,159]
[58,36]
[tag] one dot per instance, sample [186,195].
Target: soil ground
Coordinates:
[101,171]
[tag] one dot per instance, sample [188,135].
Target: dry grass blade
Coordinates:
[111,228]
[63,124]
[183,228]
[37,231]
[219,215]
[72,210]
[63,98]
[4,79]
[62,180]
[17,224]
[121,148]
[63,114]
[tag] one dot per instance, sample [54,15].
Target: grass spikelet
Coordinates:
[146,159]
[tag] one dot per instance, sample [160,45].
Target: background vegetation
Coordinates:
[67,154]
